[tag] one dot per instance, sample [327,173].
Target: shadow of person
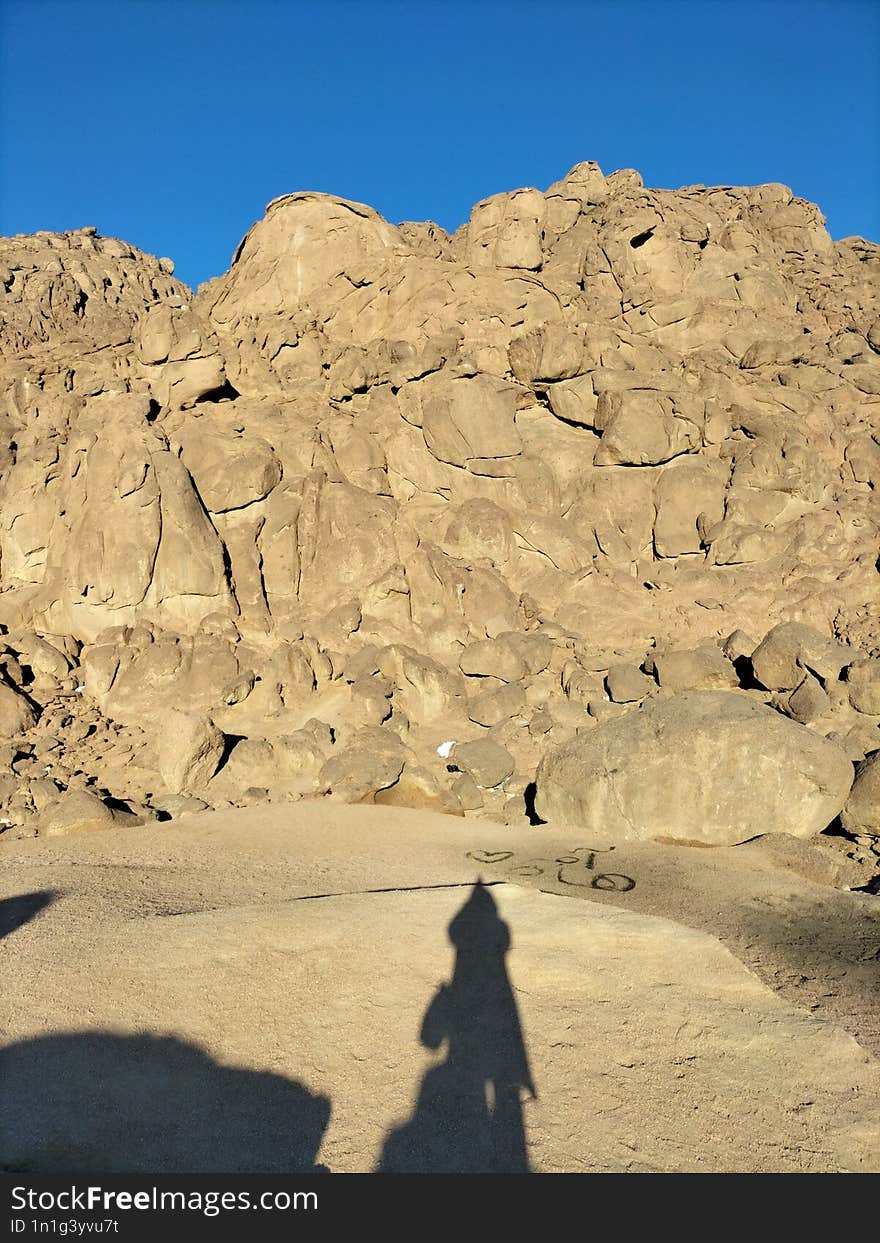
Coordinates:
[95,1101]
[19,910]
[468,1117]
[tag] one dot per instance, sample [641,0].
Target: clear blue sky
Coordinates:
[173,124]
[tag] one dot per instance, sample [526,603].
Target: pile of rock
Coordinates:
[393,515]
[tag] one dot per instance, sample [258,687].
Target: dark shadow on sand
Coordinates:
[21,909]
[95,1101]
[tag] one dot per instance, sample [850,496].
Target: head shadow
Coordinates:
[468,1115]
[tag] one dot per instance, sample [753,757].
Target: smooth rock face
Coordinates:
[224,979]
[702,766]
[485,761]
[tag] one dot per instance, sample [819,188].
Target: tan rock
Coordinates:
[190,750]
[627,684]
[79,811]
[701,766]
[492,658]
[399,479]
[863,681]
[808,701]
[705,668]
[416,787]
[372,760]
[779,660]
[16,713]
[493,707]
[862,811]
[236,1024]
[485,761]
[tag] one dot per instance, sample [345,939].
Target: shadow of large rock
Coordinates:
[95,1101]
[22,909]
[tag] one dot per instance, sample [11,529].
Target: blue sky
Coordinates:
[173,124]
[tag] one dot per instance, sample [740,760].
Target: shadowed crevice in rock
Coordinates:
[223,392]
[529,800]
[230,742]
[95,1101]
[468,1116]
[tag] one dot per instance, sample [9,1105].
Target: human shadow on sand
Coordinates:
[468,1117]
[95,1101]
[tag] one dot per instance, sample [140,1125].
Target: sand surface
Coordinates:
[261,989]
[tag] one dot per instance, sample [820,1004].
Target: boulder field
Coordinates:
[387,514]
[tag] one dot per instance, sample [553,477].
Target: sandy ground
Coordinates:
[268,964]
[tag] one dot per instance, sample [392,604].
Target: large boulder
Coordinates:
[492,658]
[704,766]
[371,761]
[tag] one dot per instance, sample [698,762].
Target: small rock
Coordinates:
[863,681]
[861,815]
[467,792]
[540,723]
[487,762]
[493,707]
[704,668]
[601,709]
[627,684]
[175,805]
[738,644]
[808,701]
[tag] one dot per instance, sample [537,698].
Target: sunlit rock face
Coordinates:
[380,488]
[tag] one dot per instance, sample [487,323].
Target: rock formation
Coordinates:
[387,514]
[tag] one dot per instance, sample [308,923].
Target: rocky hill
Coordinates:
[398,516]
